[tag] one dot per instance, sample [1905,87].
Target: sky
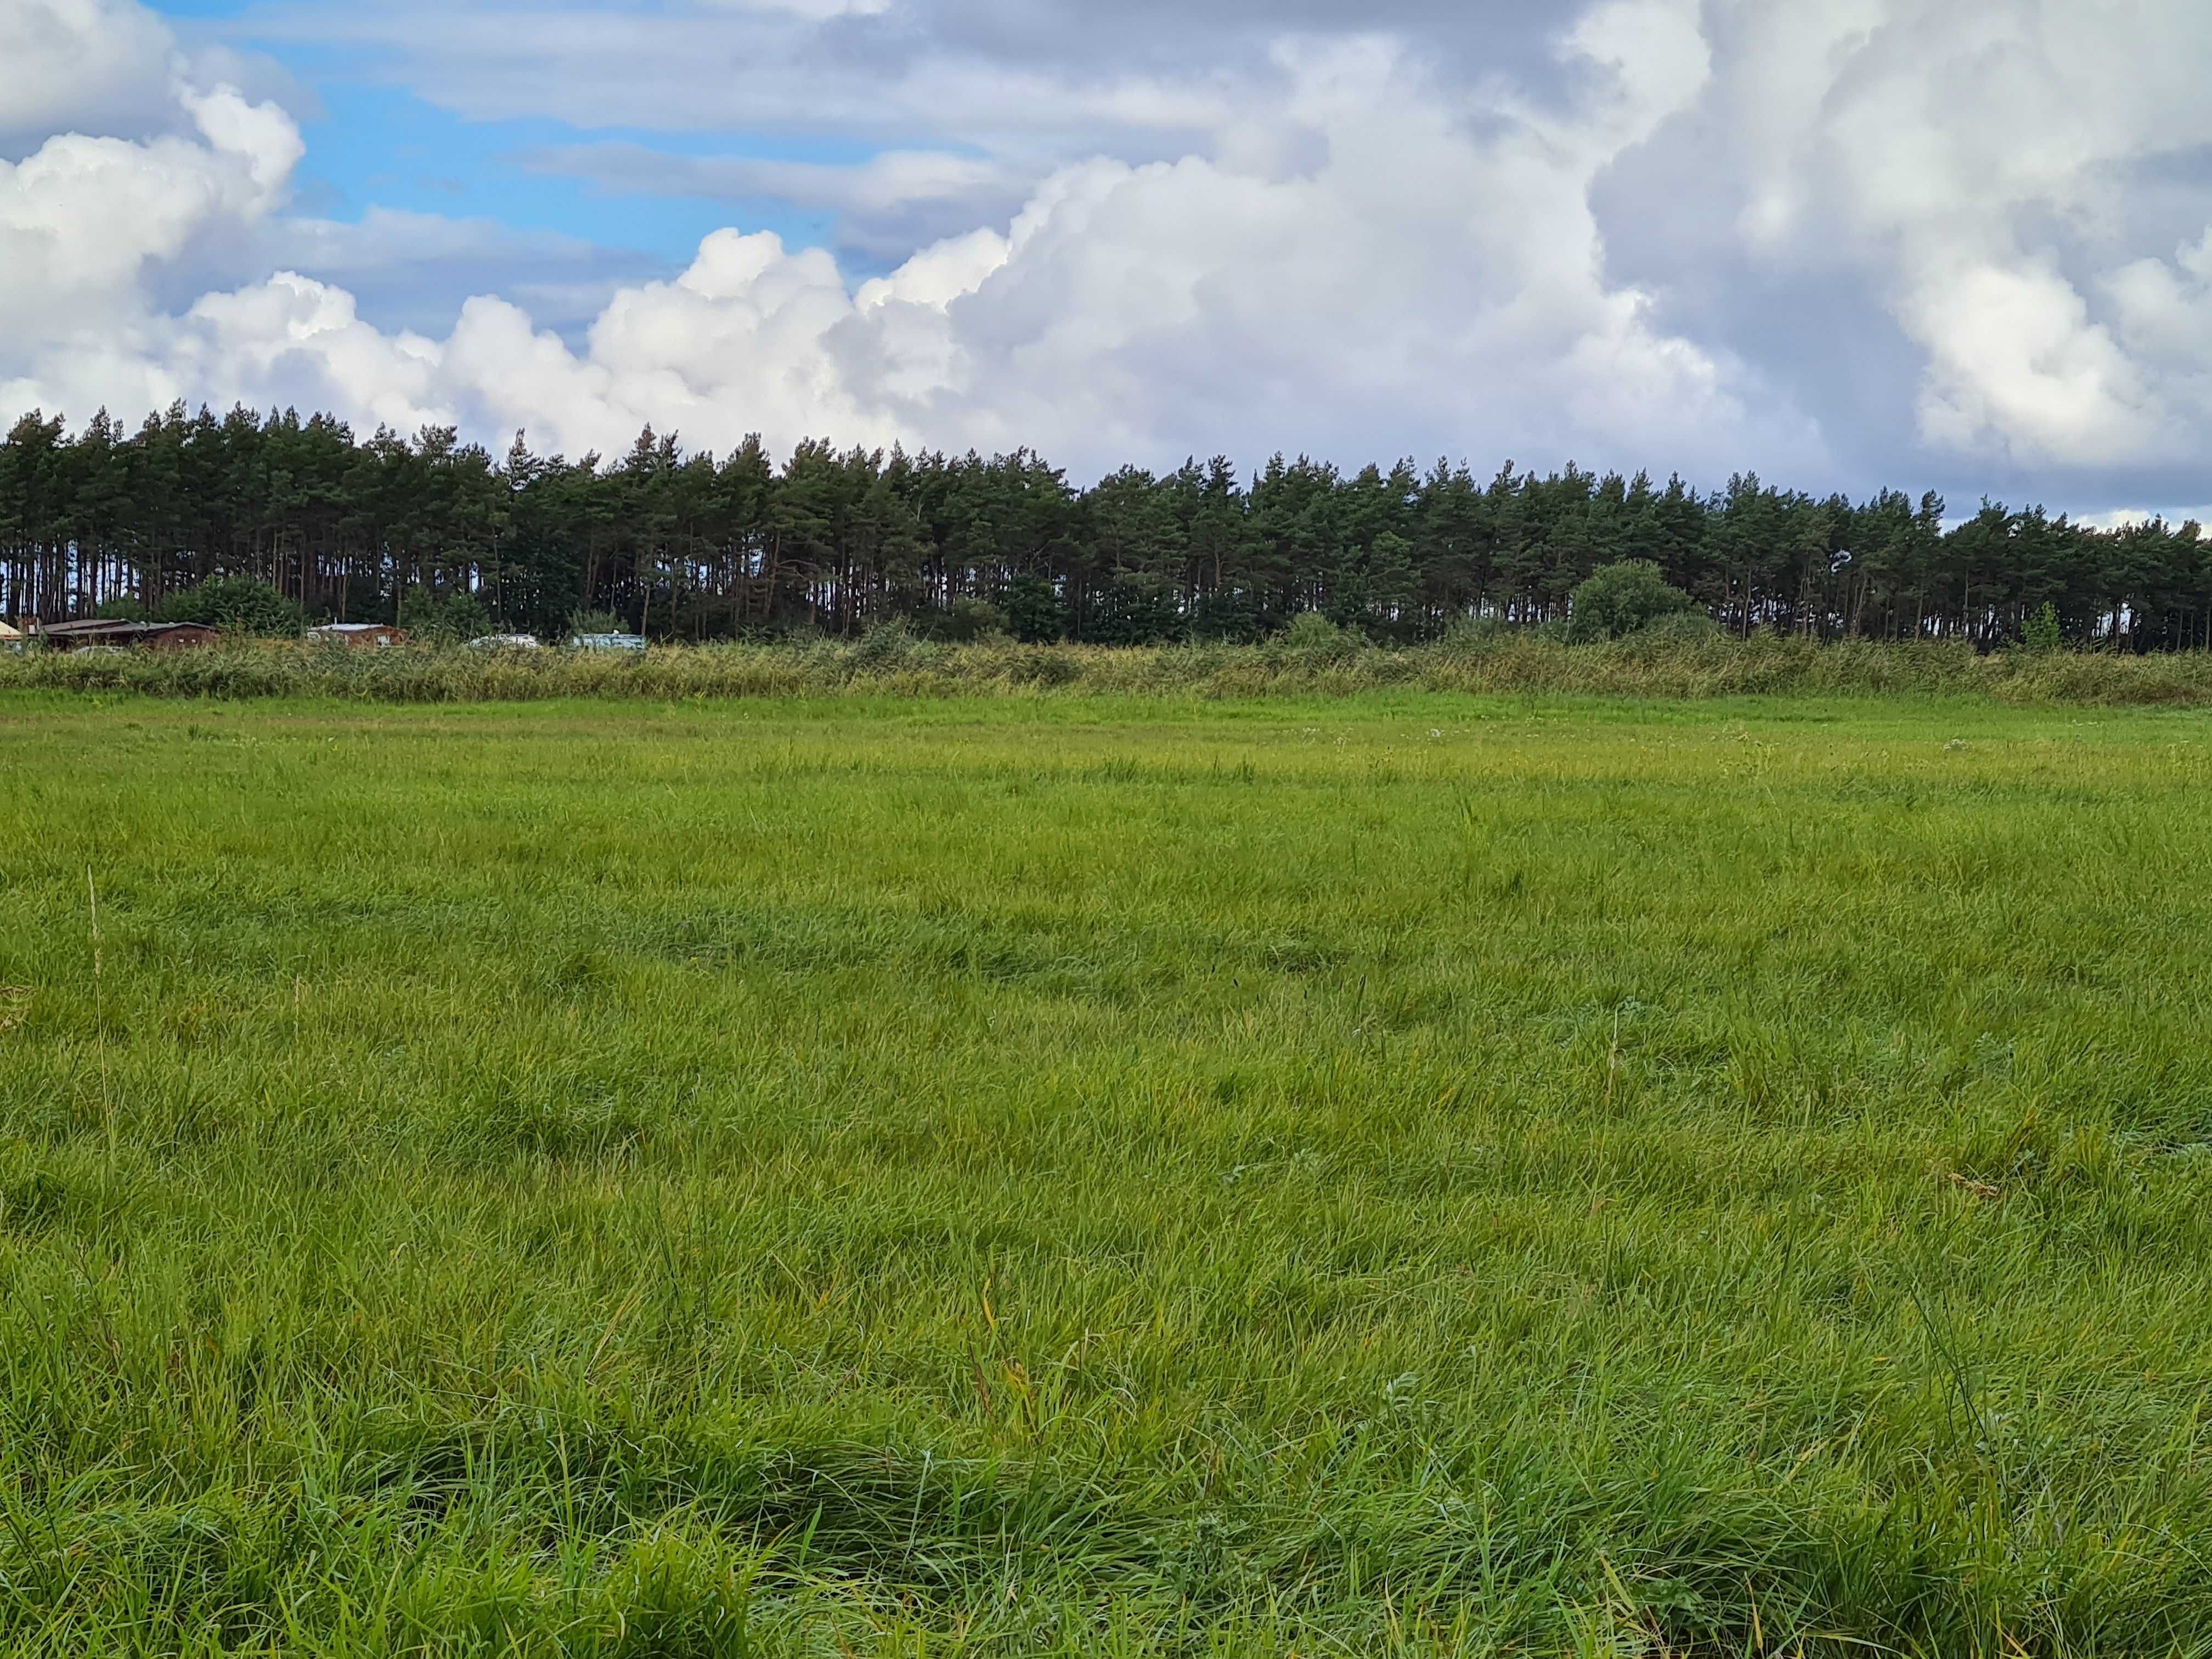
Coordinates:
[1959,245]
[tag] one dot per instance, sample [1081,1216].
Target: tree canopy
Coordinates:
[689,544]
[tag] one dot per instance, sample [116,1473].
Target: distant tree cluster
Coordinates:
[182,517]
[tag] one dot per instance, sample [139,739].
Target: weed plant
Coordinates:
[1677,658]
[1386,1174]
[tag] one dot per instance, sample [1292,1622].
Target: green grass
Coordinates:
[1390,1174]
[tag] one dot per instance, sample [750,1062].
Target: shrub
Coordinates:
[236,604]
[1035,615]
[1225,615]
[1621,598]
[1131,611]
[2042,631]
[428,615]
[595,622]
[966,621]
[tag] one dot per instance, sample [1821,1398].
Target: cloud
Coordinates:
[890,202]
[816,10]
[1839,240]
[1044,66]
[82,218]
[2123,518]
[414,269]
[852,73]
[1353,266]
[1960,181]
[100,63]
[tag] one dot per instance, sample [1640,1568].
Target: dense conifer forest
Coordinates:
[693,545]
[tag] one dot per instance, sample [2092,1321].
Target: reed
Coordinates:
[892,665]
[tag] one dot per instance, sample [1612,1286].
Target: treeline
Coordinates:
[699,546]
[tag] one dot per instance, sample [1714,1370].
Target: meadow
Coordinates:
[1399,1173]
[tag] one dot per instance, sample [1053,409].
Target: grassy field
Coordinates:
[1400,1174]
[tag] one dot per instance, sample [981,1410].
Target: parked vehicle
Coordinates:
[632,642]
[506,642]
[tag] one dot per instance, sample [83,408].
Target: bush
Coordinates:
[1225,615]
[595,622]
[236,604]
[428,614]
[2042,632]
[1035,615]
[966,621]
[1130,611]
[1621,599]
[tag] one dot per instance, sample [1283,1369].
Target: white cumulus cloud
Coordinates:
[100,62]
[1972,159]
[1359,265]
[1348,235]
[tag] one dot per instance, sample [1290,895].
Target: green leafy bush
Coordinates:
[597,621]
[1621,598]
[2042,631]
[1035,615]
[966,621]
[1226,615]
[241,605]
[428,614]
[1130,611]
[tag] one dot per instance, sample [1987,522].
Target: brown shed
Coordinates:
[146,635]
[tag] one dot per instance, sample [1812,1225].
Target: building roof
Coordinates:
[354,627]
[112,627]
